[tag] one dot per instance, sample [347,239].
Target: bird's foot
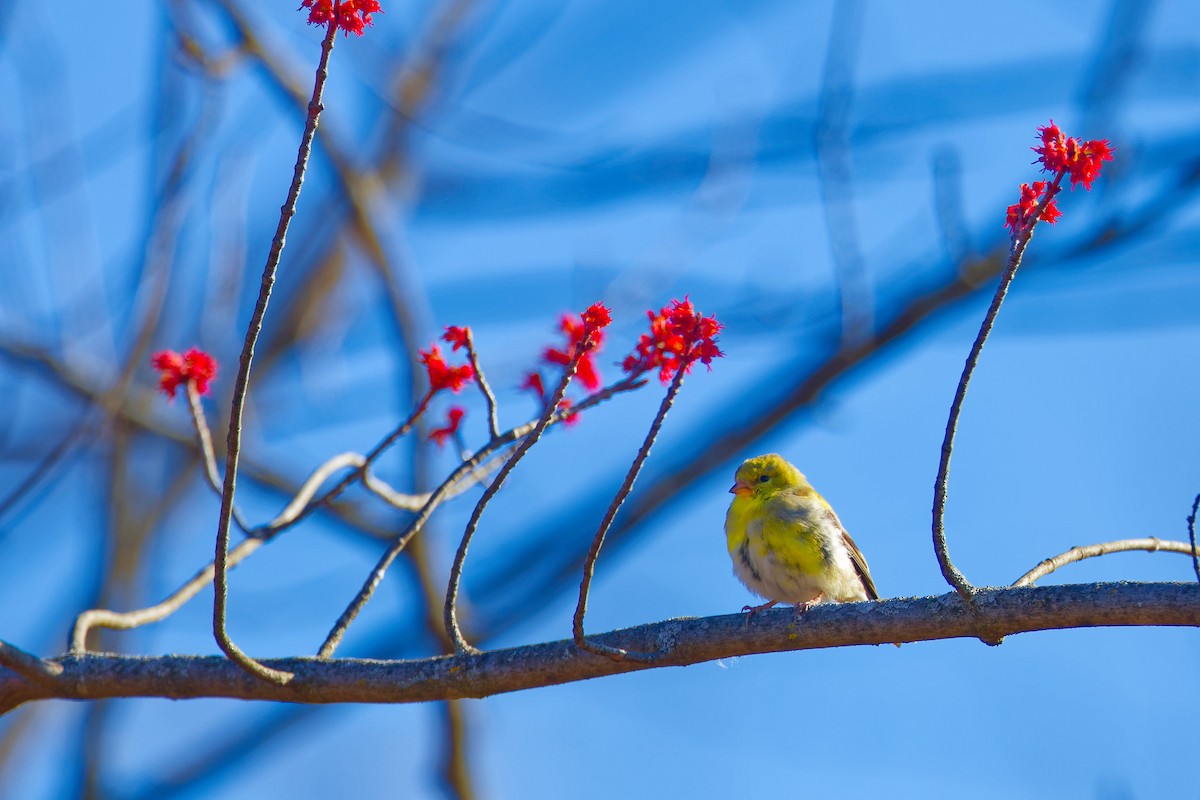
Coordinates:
[752,610]
[802,608]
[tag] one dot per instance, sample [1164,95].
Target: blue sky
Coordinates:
[610,151]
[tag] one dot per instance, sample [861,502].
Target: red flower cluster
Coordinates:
[1020,214]
[585,334]
[352,16]
[459,337]
[194,365]
[678,338]
[441,374]
[440,435]
[1081,160]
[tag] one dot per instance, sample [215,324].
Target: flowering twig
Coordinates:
[463,337]
[194,370]
[1191,523]
[206,448]
[593,321]
[234,439]
[1149,544]
[589,564]
[1062,157]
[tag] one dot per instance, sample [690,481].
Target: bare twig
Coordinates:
[1191,523]
[338,631]
[27,664]
[298,511]
[1149,544]
[513,435]
[451,617]
[133,619]
[480,465]
[950,572]
[127,620]
[994,613]
[589,564]
[234,439]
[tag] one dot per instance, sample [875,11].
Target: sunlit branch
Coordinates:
[234,439]
[1148,544]
[589,564]
[950,572]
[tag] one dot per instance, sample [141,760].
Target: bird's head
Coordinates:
[763,476]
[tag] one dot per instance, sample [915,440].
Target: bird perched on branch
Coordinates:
[787,544]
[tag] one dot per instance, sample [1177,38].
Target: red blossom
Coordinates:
[440,435]
[194,365]
[459,337]
[533,382]
[1081,160]
[678,338]
[352,16]
[584,332]
[597,316]
[1020,213]
[441,374]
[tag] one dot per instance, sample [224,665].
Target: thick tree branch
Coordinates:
[997,612]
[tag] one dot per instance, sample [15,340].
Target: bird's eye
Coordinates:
[764,478]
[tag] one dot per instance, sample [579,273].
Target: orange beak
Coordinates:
[741,488]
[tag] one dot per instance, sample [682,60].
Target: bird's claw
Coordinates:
[750,611]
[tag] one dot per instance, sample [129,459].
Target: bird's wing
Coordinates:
[860,565]
[806,508]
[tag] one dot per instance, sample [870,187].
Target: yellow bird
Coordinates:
[787,544]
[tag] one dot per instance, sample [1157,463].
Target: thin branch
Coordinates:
[133,619]
[461,480]
[128,620]
[200,425]
[27,664]
[589,564]
[234,439]
[1149,544]
[484,387]
[338,631]
[994,613]
[950,572]
[1191,523]
[451,617]
[295,512]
